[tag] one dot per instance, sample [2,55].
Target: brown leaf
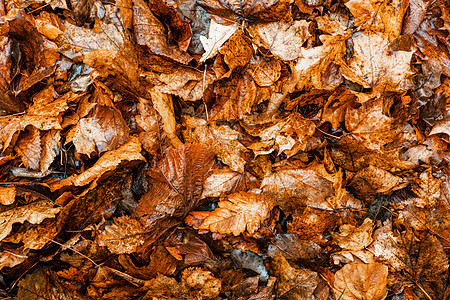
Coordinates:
[290,135]
[125,235]
[242,210]
[128,152]
[254,10]
[265,71]
[293,283]
[355,238]
[237,51]
[51,147]
[175,185]
[225,181]
[36,237]
[222,139]
[379,16]
[361,281]
[234,98]
[373,66]
[428,187]
[29,148]
[7,195]
[33,213]
[163,104]
[195,251]
[293,248]
[202,282]
[149,31]
[283,40]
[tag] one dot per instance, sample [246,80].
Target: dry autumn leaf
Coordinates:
[241,211]
[361,281]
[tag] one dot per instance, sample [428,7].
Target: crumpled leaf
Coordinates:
[36,237]
[51,146]
[361,281]
[222,139]
[125,235]
[293,248]
[289,135]
[265,71]
[33,213]
[237,51]
[128,152]
[241,211]
[293,283]
[283,40]
[149,31]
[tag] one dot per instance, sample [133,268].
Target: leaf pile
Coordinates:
[183,149]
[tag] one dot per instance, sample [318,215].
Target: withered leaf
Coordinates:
[29,148]
[51,146]
[237,51]
[294,283]
[33,213]
[355,238]
[7,195]
[241,211]
[293,248]
[218,35]
[222,139]
[234,98]
[361,281]
[124,235]
[283,40]
[151,32]
[175,185]
[128,152]
[226,181]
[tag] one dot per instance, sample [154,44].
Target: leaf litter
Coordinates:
[224,149]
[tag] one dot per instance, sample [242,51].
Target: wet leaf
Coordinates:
[125,235]
[355,238]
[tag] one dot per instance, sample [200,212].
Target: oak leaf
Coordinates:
[241,211]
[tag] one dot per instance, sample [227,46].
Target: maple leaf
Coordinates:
[242,210]
[361,281]
[218,35]
[372,65]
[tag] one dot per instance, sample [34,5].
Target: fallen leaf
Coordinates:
[355,238]
[175,185]
[222,139]
[241,211]
[373,66]
[124,235]
[293,248]
[51,146]
[250,260]
[293,283]
[149,31]
[203,282]
[29,148]
[361,281]
[7,195]
[225,181]
[283,40]
[218,35]
[33,213]
[237,51]
[128,152]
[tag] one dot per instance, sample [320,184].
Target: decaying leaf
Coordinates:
[355,238]
[241,211]
[125,235]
